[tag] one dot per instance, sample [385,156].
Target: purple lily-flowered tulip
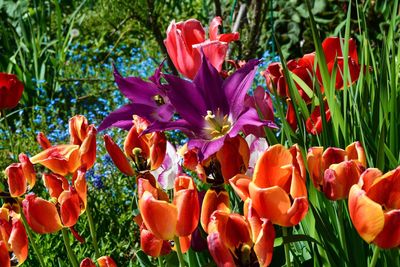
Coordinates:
[211,109]
[148,100]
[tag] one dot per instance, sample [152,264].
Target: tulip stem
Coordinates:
[92,231]
[71,254]
[286,247]
[179,251]
[375,257]
[160,261]
[32,241]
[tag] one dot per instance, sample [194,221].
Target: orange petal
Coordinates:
[240,183]
[55,183]
[87,262]
[152,210]
[297,211]
[298,186]
[389,237]
[158,148]
[331,156]
[19,240]
[43,141]
[355,151]
[133,140]
[220,253]
[106,261]
[16,180]
[187,202]
[234,157]
[367,216]
[314,160]
[298,161]
[118,157]
[42,215]
[368,177]
[150,244]
[87,149]
[70,207]
[4,256]
[385,190]
[27,168]
[185,243]
[339,178]
[273,167]
[78,129]
[264,244]
[80,186]
[61,159]
[213,201]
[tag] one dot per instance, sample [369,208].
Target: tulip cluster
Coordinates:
[304,69]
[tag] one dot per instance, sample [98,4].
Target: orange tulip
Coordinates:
[152,245]
[78,129]
[335,170]
[19,175]
[43,141]
[55,183]
[180,218]
[13,234]
[151,147]
[277,189]
[61,159]
[41,215]
[213,200]
[374,206]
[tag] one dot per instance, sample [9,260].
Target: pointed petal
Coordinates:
[28,169]
[78,129]
[87,149]
[213,201]
[206,148]
[240,183]
[118,157]
[264,244]
[43,141]
[214,51]
[80,186]
[237,85]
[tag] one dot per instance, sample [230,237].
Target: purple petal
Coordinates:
[206,147]
[136,89]
[237,85]
[249,118]
[209,83]
[125,113]
[187,100]
[182,125]
[164,112]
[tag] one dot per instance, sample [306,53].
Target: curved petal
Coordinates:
[240,183]
[213,201]
[43,141]
[264,244]
[87,149]
[355,151]
[70,207]
[87,262]
[41,215]
[4,256]
[152,210]
[219,251]
[214,51]
[27,168]
[16,180]
[149,243]
[106,261]
[314,160]
[367,216]
[389,237]
[18,241]
[55,183]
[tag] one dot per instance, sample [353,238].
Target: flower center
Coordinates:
[217,124]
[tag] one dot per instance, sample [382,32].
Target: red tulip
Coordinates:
[10,90]
[314,122]
[19,175]
[118,157]
[186,39]
[87,262]
[106,261]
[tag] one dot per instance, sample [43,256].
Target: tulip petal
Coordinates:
[106,261]
[314,160]
[117,156]
[87,149]
[264,245]
[367,216]
[16,180]
[219,251]
[389,237]
[149,243]
[70,207]
[213,201]
[240,183]
[4,257]
[55,183]
[355,151]
[87,262]
[27,168]
[42,215]
[152,210]
[61,159]
[18,241]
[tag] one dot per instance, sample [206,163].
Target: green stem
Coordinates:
[32,241]
[179,251]
[374,257]
[340,220]
[71,254]
[286,247]
[160,261]
[92,231]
